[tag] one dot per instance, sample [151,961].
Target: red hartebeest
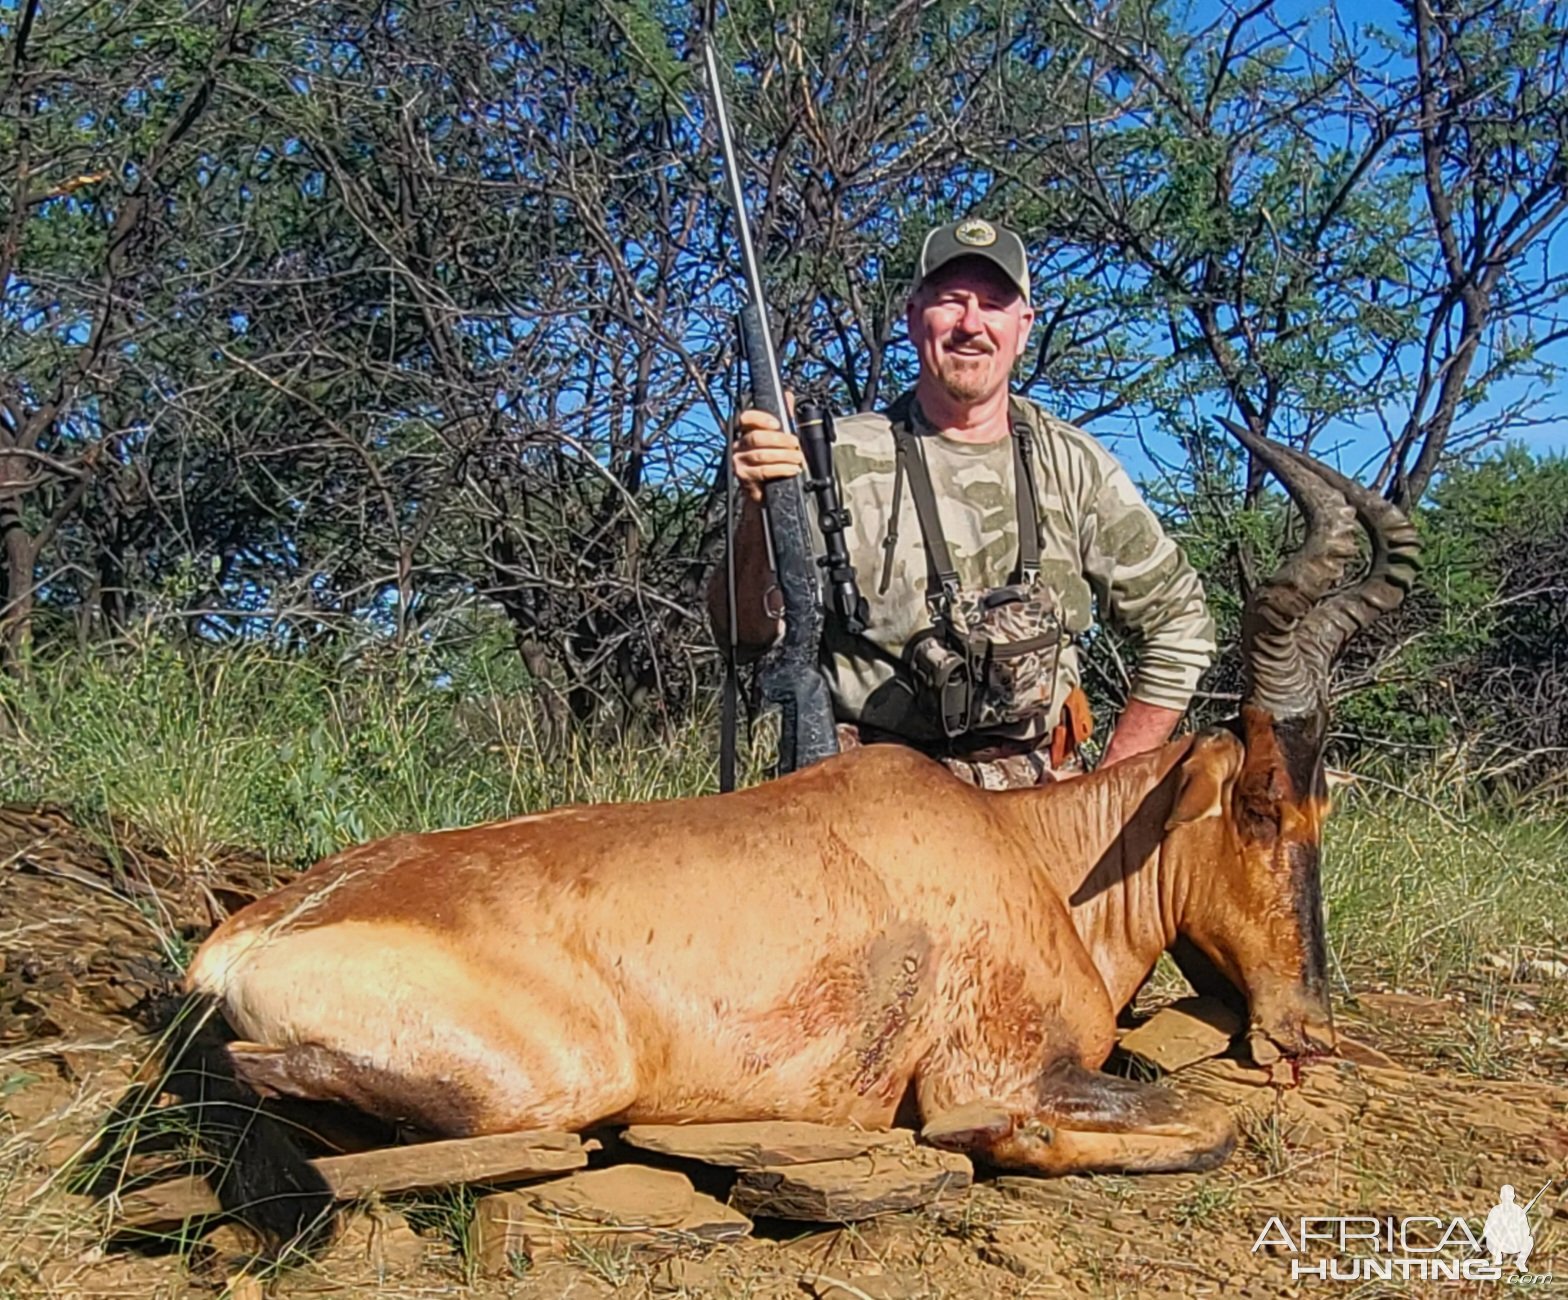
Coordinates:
[862,935]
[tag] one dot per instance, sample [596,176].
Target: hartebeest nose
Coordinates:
[1289,1022]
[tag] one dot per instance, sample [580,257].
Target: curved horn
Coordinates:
[1396,560]
[1282,677]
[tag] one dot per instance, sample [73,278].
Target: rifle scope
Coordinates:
[814,427]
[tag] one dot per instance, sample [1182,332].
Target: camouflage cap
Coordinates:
[973,237]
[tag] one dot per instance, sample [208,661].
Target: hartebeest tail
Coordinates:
[858,938]
[248,1155]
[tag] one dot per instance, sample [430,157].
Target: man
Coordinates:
[954,465]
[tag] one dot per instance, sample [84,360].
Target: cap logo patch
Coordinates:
[975,233]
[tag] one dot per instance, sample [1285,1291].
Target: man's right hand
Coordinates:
[763,450]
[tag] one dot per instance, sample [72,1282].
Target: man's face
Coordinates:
[969,324]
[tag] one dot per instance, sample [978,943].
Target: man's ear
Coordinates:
[1026,319]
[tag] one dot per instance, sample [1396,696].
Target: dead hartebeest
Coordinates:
[861,937]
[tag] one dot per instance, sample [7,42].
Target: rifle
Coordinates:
[788,676]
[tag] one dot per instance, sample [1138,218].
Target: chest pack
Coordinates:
[991,654]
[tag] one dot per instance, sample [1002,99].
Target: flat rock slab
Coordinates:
[844,1191]
[1184,1033]
[1317,1105]
[769,1143]
[629,1196]
[499,1157]
[1353,1049]
[648,1212]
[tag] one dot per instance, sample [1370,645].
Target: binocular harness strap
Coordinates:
[941,576]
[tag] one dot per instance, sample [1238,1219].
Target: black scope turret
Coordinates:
[814,428]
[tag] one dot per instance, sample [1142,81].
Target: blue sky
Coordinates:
[1358,448]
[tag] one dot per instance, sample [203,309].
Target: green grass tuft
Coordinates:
[1418,897]
[303,756]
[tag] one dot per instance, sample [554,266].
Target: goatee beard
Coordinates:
[966,383]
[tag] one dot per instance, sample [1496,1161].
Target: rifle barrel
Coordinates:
[767,382]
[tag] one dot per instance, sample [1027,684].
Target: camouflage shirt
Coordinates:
[1102,549]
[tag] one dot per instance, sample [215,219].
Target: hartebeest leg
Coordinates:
[1009,1080]
[1082,1121]
[420,1037]
[318,1073]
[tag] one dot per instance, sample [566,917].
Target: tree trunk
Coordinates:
[16,596]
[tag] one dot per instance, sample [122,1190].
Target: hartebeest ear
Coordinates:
[1205,775]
